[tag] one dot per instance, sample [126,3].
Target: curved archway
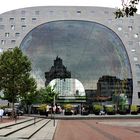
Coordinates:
[68,87]
[88,49]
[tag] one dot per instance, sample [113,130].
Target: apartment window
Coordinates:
[1,19]
[22,19]
[119,28]
[33,19]
[13,27]
[133,50]
[23,27]
[7,34]
[106,12]
[11,19]
[109,20]
[3,42]
[126,34]
[139,43]
[138,66]
[1,50]
[23,12]
[17,34]
[131,21]
[79,12]
[2,27]
[92,11]
[13,41]
[130,28]
[139,95]
[37,12]
[51,12]
[135,59]
[65,11]
[130,42]
[135,35]
[120,21]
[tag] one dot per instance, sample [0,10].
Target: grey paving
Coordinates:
[40,129]
[29,131]
[47,132]
[18,121]
[90,116]
[11,129]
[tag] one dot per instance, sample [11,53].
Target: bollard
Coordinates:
[34,120]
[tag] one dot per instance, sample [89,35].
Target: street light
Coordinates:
[54,109]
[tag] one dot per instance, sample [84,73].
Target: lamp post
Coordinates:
[54,110]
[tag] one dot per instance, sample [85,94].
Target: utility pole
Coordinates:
[54,110]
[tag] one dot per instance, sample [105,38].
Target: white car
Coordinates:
[102,112]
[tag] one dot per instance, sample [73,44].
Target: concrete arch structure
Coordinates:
[16,24]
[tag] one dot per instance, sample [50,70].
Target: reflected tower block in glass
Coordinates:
[58,70]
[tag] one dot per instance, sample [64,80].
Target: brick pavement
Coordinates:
[94,130]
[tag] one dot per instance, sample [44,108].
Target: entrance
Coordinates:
[71,94]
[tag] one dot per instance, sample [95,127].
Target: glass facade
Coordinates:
[89,50]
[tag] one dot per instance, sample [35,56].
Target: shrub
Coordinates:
[3,106]
[97,109]
[42,109]
[123,109]
[110,110]
[134,109]
[68,107]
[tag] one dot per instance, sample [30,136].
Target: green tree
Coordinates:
[129,8]
[47,95]
[15,70]
[28,93]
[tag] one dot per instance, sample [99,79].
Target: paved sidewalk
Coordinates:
[13,122]
[43,130]
[88,117]
[47,132]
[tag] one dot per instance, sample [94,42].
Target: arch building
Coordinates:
[89,40]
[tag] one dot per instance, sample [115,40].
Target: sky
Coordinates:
[7,5]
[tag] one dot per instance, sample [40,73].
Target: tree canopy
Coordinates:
[15,79]
[129,8]
[46,95]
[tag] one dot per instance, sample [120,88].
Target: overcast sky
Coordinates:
[7,5]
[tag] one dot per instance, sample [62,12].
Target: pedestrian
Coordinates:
[1,113]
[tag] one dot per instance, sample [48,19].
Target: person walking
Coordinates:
[1,113]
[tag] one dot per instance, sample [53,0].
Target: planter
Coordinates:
[85,113]
[134,113]
[68,113]
[42,113]
[110,113]
[96,113]
[122,113]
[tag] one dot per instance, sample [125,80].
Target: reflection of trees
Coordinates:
[37,74]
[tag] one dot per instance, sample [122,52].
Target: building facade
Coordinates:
[107,86]
[90,40]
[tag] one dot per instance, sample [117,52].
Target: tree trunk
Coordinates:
[13,110]
[29,110]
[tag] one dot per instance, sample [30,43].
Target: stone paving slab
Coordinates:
[88,117]
[8,130]
[47,132]
[29,131]
[18,121]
